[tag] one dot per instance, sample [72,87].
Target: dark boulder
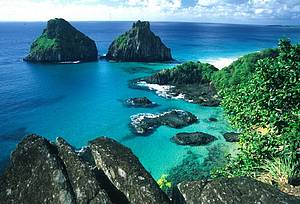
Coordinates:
[230,190]
[61,42]
[126,172]
[145,124]
[193,139]
[140,102]
[81,176]
[36,175]
[139,44]
[232,136]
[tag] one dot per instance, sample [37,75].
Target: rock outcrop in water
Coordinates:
[139,44]
[193,139]
[145,124]
[191,81]
[107,172]
[232,136]
[140,102]
[61,42]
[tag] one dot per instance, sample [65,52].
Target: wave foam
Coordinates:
[221,62]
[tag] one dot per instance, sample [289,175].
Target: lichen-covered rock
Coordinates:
[232,136]
[139,44]
[126,172]
[145,124]
[81,176]
[140,102]
[35,175]
[230,190]
[61,42]
[193,139]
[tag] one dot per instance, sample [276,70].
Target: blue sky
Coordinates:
[220,11]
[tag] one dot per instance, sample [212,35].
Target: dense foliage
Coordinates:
[241,70]
[266,109]
[186,73]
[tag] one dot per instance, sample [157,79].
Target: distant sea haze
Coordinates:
[82,101]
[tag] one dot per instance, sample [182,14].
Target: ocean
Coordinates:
[80,102]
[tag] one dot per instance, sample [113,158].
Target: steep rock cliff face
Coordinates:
[61,42]
[139,44]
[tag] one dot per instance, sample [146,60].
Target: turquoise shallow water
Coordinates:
[83,101]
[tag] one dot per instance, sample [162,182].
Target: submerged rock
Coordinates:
[232,136]
[191,81]
[193,139]
[139,44]
[145,124]
[230,190]
[212,119]
[35,175]
[141,102]
[81,176]
[126,172]
[61,42]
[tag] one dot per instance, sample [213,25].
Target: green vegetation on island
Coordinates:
[139,44]
[61,42]
[265,107]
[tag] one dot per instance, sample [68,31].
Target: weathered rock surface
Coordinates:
[193,139]
[35,175]
[139,44]
[191,81]
[61,42]
[145,124]
[230,190]
[140,102]
[126,172]
[81,176]
[232,136]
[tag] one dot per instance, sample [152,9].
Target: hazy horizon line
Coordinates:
[155,21]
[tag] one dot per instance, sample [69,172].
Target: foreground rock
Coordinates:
[193,139]
[61,42]
[191,81]
[232,136]
[81,176]
[36,175]
[139,45]
[230,190]
[141,102]
[126,172]
[145,124]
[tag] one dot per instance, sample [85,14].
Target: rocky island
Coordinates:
[139,44]
[191,81]
[193,139]
[61,42]
[146,123]
[107,172]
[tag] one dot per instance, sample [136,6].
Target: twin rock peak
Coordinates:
[61,42]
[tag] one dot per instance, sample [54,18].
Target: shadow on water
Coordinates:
[134,70]
[24,105]
[3,164]
[14,136]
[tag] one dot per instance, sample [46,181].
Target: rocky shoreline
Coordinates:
[107,172]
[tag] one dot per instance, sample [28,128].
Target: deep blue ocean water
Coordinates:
[83,101]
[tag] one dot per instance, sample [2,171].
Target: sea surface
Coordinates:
[83,101]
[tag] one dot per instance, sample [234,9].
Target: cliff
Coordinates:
[139,44]
[61,42]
